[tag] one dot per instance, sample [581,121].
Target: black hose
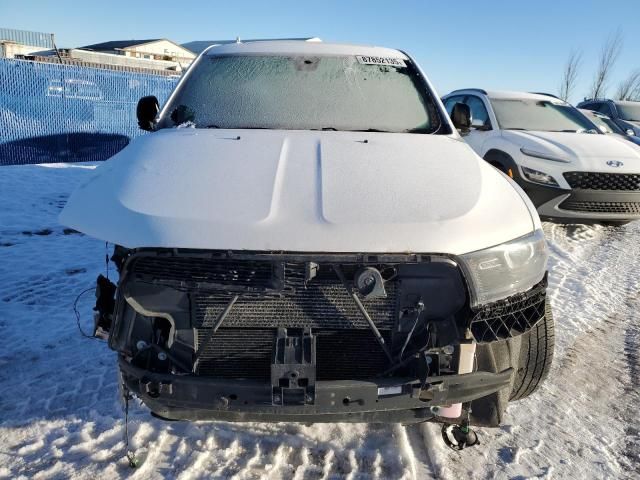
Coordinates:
[77,313]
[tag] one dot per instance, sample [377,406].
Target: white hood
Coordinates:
[298,191]
[586,151]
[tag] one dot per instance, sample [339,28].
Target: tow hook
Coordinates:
[154,389]
[458,437]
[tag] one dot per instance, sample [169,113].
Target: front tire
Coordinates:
[536,356]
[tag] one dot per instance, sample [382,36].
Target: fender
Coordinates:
[539,194]
[503,162]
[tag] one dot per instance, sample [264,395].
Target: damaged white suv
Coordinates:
[305,237]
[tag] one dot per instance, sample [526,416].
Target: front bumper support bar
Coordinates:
[380,400]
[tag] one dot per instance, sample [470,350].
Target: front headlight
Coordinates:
[537,176]
[504,270]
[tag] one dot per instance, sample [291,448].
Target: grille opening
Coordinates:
[603,181]
[346,347]
[600,207]
[198,270]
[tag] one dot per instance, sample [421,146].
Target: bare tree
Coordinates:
[629,88]
[570,74]
[608,57]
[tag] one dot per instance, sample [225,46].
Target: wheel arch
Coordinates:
[502,161]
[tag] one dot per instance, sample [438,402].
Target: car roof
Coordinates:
[507,95]
[597,100]
[302,47]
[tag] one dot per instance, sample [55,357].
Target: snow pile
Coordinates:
[60,415]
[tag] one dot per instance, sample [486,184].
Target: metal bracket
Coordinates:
[155,389]
[293,369]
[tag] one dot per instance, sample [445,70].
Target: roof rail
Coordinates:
[479,90]
[546,94]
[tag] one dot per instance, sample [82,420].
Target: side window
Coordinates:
[451,101]
[479,114]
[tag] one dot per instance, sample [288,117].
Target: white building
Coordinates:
[170,54]
[22,42]
[198,46]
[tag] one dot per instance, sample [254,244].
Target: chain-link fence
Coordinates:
[65,113]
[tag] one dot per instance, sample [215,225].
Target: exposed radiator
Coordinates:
[323,304]
[246,353]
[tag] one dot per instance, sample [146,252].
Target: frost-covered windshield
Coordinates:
[541,116]
[302,93]
[605,124]
[629,111]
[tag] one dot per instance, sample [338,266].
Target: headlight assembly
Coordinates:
[539,177]
[504,270]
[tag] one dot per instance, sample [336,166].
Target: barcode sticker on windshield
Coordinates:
[391,61]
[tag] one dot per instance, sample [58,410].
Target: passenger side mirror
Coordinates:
[479,125]
[147,110]
[630,132]
[461,117]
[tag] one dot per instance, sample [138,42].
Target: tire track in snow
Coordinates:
[631,448]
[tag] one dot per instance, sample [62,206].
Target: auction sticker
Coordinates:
[371,60]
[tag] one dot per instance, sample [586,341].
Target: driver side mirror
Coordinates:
[461,117]
[147,110]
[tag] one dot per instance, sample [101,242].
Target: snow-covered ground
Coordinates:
[60,416]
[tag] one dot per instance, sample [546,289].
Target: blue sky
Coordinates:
[510,45]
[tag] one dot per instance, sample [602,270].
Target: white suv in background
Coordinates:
[571,171]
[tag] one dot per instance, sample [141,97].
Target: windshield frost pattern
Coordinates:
[303,93]
[541,116]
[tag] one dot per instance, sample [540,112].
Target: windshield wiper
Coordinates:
[515,128]
[333,129]
[238,128]
[372,130]
[582,130]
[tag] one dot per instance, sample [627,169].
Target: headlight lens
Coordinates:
[537,176]
[504,270]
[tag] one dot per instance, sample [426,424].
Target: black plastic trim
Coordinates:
[197,398]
